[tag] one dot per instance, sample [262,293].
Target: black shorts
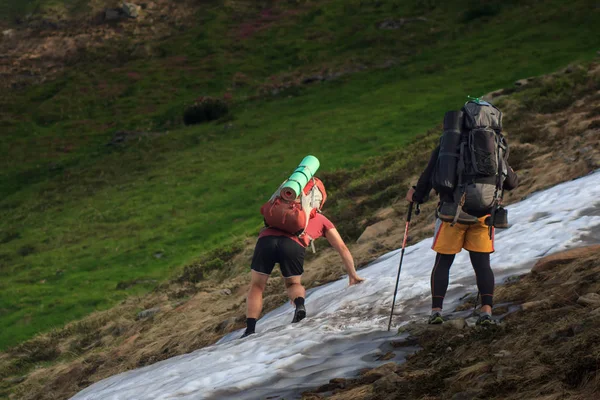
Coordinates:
[278,249]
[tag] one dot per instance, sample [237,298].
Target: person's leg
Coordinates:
[294,288]
[262,265]
[254,301]
[439,280]
[448,241]
[291,263]
[296,293]
[485,279]
[479,244]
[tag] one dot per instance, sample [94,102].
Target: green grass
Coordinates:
[78,217]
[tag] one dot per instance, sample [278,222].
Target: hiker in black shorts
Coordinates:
[276,246]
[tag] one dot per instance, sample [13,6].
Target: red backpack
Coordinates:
[293,216]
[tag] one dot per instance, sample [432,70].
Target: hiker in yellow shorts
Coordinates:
[470,171]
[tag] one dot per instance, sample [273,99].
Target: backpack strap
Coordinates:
[500,177]
[460,169]
[312,244]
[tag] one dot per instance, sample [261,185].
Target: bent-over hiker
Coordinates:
[287,249]
[470,171]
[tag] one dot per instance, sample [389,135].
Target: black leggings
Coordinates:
[441,273]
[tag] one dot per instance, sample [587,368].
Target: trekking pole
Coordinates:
[410,207]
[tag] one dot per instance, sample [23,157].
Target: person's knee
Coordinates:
[257,287]
[291,284]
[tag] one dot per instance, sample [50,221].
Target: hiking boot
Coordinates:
[447,212]
[247,333]
[435,318]
[485,320]
[299,314]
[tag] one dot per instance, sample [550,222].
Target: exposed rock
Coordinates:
[148,313]
[512,279]
[564,257]
[226,292]
[387,384]
[595,313]
[375,230]
[16,380]
[159,254]
[590,299]
[387,356]
[131,10]
[457,323]
[8,34]
[336,383]
[503,354]
[523,82]
[539,304]
[408,342]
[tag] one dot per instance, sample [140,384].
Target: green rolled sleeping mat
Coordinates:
[301,176]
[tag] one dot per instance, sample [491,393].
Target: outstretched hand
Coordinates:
[355,280]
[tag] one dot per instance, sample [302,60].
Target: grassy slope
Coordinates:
[78,217]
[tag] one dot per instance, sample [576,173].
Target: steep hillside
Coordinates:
[105,192]
[552,125]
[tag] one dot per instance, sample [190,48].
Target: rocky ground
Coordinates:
[40,46]
[546,347]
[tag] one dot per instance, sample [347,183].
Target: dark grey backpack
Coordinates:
[481,168]
[471,165]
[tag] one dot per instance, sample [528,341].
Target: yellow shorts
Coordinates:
[452,239]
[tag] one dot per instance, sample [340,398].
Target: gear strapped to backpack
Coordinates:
[293,216]
[471,166]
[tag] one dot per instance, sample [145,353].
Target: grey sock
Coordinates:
[485,313]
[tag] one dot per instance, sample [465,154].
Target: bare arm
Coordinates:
[336,241]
